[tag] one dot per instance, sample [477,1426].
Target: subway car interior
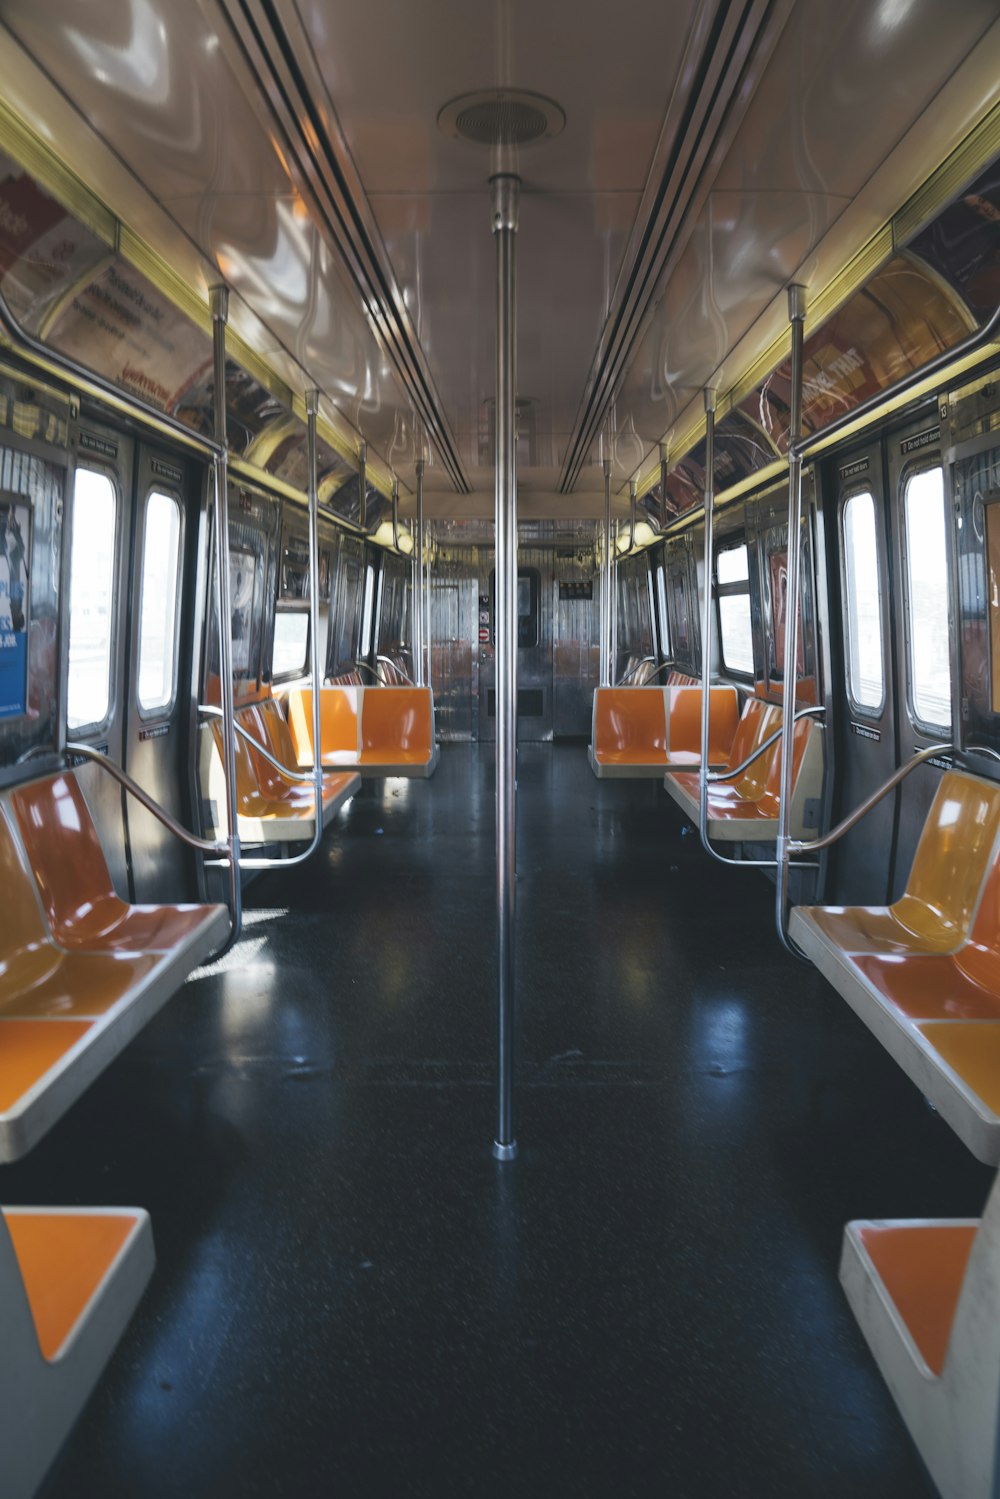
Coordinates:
[499,748]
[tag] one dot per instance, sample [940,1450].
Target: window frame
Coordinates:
[94,728]
[303,670]
[870,711]
[166,709]
[731,590]
[912,470]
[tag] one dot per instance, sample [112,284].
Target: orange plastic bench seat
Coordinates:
[922,1268]
[29,1049]
[63,1258]
[378,730]
[924,973]
[80,902]
[645,730]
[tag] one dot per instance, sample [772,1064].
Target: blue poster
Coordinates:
[15,537]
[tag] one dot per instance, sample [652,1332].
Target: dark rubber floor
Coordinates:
[353,1298]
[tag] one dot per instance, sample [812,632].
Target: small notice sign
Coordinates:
[15,574]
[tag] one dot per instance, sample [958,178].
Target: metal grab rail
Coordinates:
[87,752]
[388,661]
[798,845]
[643,661]
[367,666]
[279,765]
[717,776]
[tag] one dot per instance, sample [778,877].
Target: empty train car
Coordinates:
[499,748]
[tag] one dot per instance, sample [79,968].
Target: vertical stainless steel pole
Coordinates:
[506,195]
[395,512]
[606,581]
[428,602]
[613,604]
[220,316]
[312,407]
[706,612]
[418,581]
[664,475]
[363,486]
[796,315]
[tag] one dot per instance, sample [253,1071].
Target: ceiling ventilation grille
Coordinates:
[501,117]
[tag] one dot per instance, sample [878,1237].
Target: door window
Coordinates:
[91,599]
[927,597]
[865,669]
[158,617]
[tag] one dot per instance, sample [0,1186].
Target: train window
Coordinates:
[927,597]
[242,580]
[366,611]
[661,610]
[92,597]
[865,675]
[161,552]
[291,643]
[732,572]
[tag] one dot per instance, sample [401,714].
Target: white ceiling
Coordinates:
[859,101]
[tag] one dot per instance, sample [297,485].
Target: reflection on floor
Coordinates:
[352,1298]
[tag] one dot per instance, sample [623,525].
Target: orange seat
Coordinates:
[924,973]
[380,730]
[63,1259]
[643,731]
[65,1014]
[922,1268]
[80,901]
[397,727]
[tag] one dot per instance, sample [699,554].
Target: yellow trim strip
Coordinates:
[969,157]
[38,158]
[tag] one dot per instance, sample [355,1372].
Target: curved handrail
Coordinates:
[388,661]
[367,666]
[798,846]
[279,765]
[643,661]
[715,776]
[203,845]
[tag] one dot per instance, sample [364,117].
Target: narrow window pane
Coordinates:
[927,579]
[291,641]
[661,605]
[735,632]
[732,566]
[158,620]
[864,606]
[91,599]
[366,611]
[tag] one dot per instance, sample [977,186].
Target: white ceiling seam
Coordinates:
[282,73]
[714,92]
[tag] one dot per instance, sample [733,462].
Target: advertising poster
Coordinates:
[15,564]
[242,571]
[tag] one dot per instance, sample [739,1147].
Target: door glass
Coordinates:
[732,569]
[927,597]
[865,675]
[291,643]
[91,599]
[161,552]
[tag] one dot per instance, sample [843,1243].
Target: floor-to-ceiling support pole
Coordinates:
[220,473]
[606,545]
[363,486]
[796,316]
[506,193]
[418,580]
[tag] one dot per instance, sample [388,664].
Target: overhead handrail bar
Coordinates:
[388,661]
[290,775]
[796,845]
[258,861]
[790,682]
[717,776]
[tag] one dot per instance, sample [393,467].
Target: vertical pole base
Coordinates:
[505,1152]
